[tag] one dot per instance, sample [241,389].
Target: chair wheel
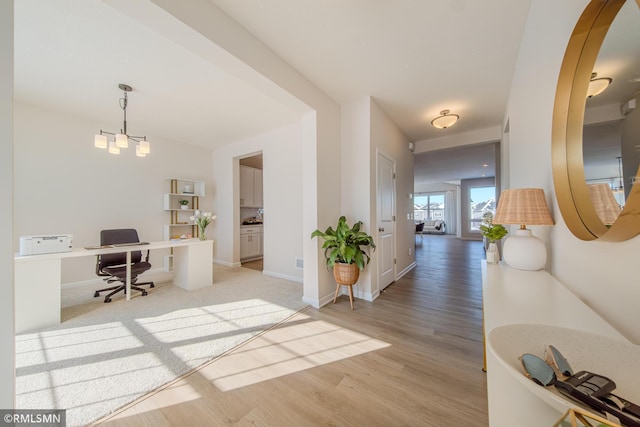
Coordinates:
[144,293]
[96,295]
[107,300]
[152,285]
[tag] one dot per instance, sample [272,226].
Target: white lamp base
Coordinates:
[523,251]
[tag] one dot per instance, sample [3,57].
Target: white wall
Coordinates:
[7,349]
[282,185]
[221,39]
[602,274]
[367,130]
[63,184]
[389,140]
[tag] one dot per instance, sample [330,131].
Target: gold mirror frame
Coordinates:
[571,188]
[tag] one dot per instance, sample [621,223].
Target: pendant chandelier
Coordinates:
[121,139]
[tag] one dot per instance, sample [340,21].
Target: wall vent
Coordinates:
[299,263]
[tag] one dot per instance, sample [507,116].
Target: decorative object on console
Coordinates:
[202,220]
[343,252]
[523,206]
[492,233]
[121,140]
[445,120]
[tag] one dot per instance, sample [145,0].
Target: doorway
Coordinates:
[251,212]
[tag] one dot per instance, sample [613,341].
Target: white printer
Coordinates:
[35,245]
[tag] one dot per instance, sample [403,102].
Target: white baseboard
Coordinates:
[227,263]
[282,276]
[313,302]
[406,270]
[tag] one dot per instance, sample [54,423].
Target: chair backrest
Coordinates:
[419,227]
[121,235]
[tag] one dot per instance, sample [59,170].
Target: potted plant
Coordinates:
[492,233]
[184,204]
[345,250]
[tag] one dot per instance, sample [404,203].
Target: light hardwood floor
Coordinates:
[413,357]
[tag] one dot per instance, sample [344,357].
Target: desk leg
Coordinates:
[193,265]
[37,294]
[128,283]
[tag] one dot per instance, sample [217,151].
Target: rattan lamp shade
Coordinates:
[523,206]
[604,203]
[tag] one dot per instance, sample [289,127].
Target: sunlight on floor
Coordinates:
[303,345]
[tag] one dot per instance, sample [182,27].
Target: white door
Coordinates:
[385,244]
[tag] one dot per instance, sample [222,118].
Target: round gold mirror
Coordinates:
[600,76]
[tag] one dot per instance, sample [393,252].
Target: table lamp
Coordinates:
[523,206]
[604,202]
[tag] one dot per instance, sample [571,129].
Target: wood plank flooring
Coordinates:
[413,357]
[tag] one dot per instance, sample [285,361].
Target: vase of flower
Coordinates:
[492,233]
[493,256]
[202,220]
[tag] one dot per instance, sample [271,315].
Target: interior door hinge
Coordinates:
[394,175]
[393,218]
[395,261]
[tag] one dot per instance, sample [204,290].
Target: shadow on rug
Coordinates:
[104,356]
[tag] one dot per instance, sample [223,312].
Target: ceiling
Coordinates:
[414,57]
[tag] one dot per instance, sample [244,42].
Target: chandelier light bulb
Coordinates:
[145,147]
[113,148]
[139,152]
[100,141]
[122,141]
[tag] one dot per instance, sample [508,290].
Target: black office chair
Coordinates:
[114,266]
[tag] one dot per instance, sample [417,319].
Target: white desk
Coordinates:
[37,278]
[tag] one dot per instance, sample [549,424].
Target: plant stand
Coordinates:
[347,275]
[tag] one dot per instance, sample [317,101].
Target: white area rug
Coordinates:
[104,356]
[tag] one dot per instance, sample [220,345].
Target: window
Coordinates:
[481,200]
[428,207]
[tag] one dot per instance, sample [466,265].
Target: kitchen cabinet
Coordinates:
[250,187]
[250,242]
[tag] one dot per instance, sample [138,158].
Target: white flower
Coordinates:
[202,219]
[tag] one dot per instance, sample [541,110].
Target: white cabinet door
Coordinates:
[250,187]
[250,245]
[245,246]
[246,186]
[257,188]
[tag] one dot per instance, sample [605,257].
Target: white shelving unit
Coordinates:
[179,223]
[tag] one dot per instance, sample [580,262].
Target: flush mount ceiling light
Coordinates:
[597,85]
[445,120]
[121,140]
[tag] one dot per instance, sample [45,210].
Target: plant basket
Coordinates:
[346,274]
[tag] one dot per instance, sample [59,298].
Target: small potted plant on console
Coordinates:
[492,233]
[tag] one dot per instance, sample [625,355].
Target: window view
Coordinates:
[482,199]
[428,207]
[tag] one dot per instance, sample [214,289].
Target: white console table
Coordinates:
[37,278]
[524,311]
